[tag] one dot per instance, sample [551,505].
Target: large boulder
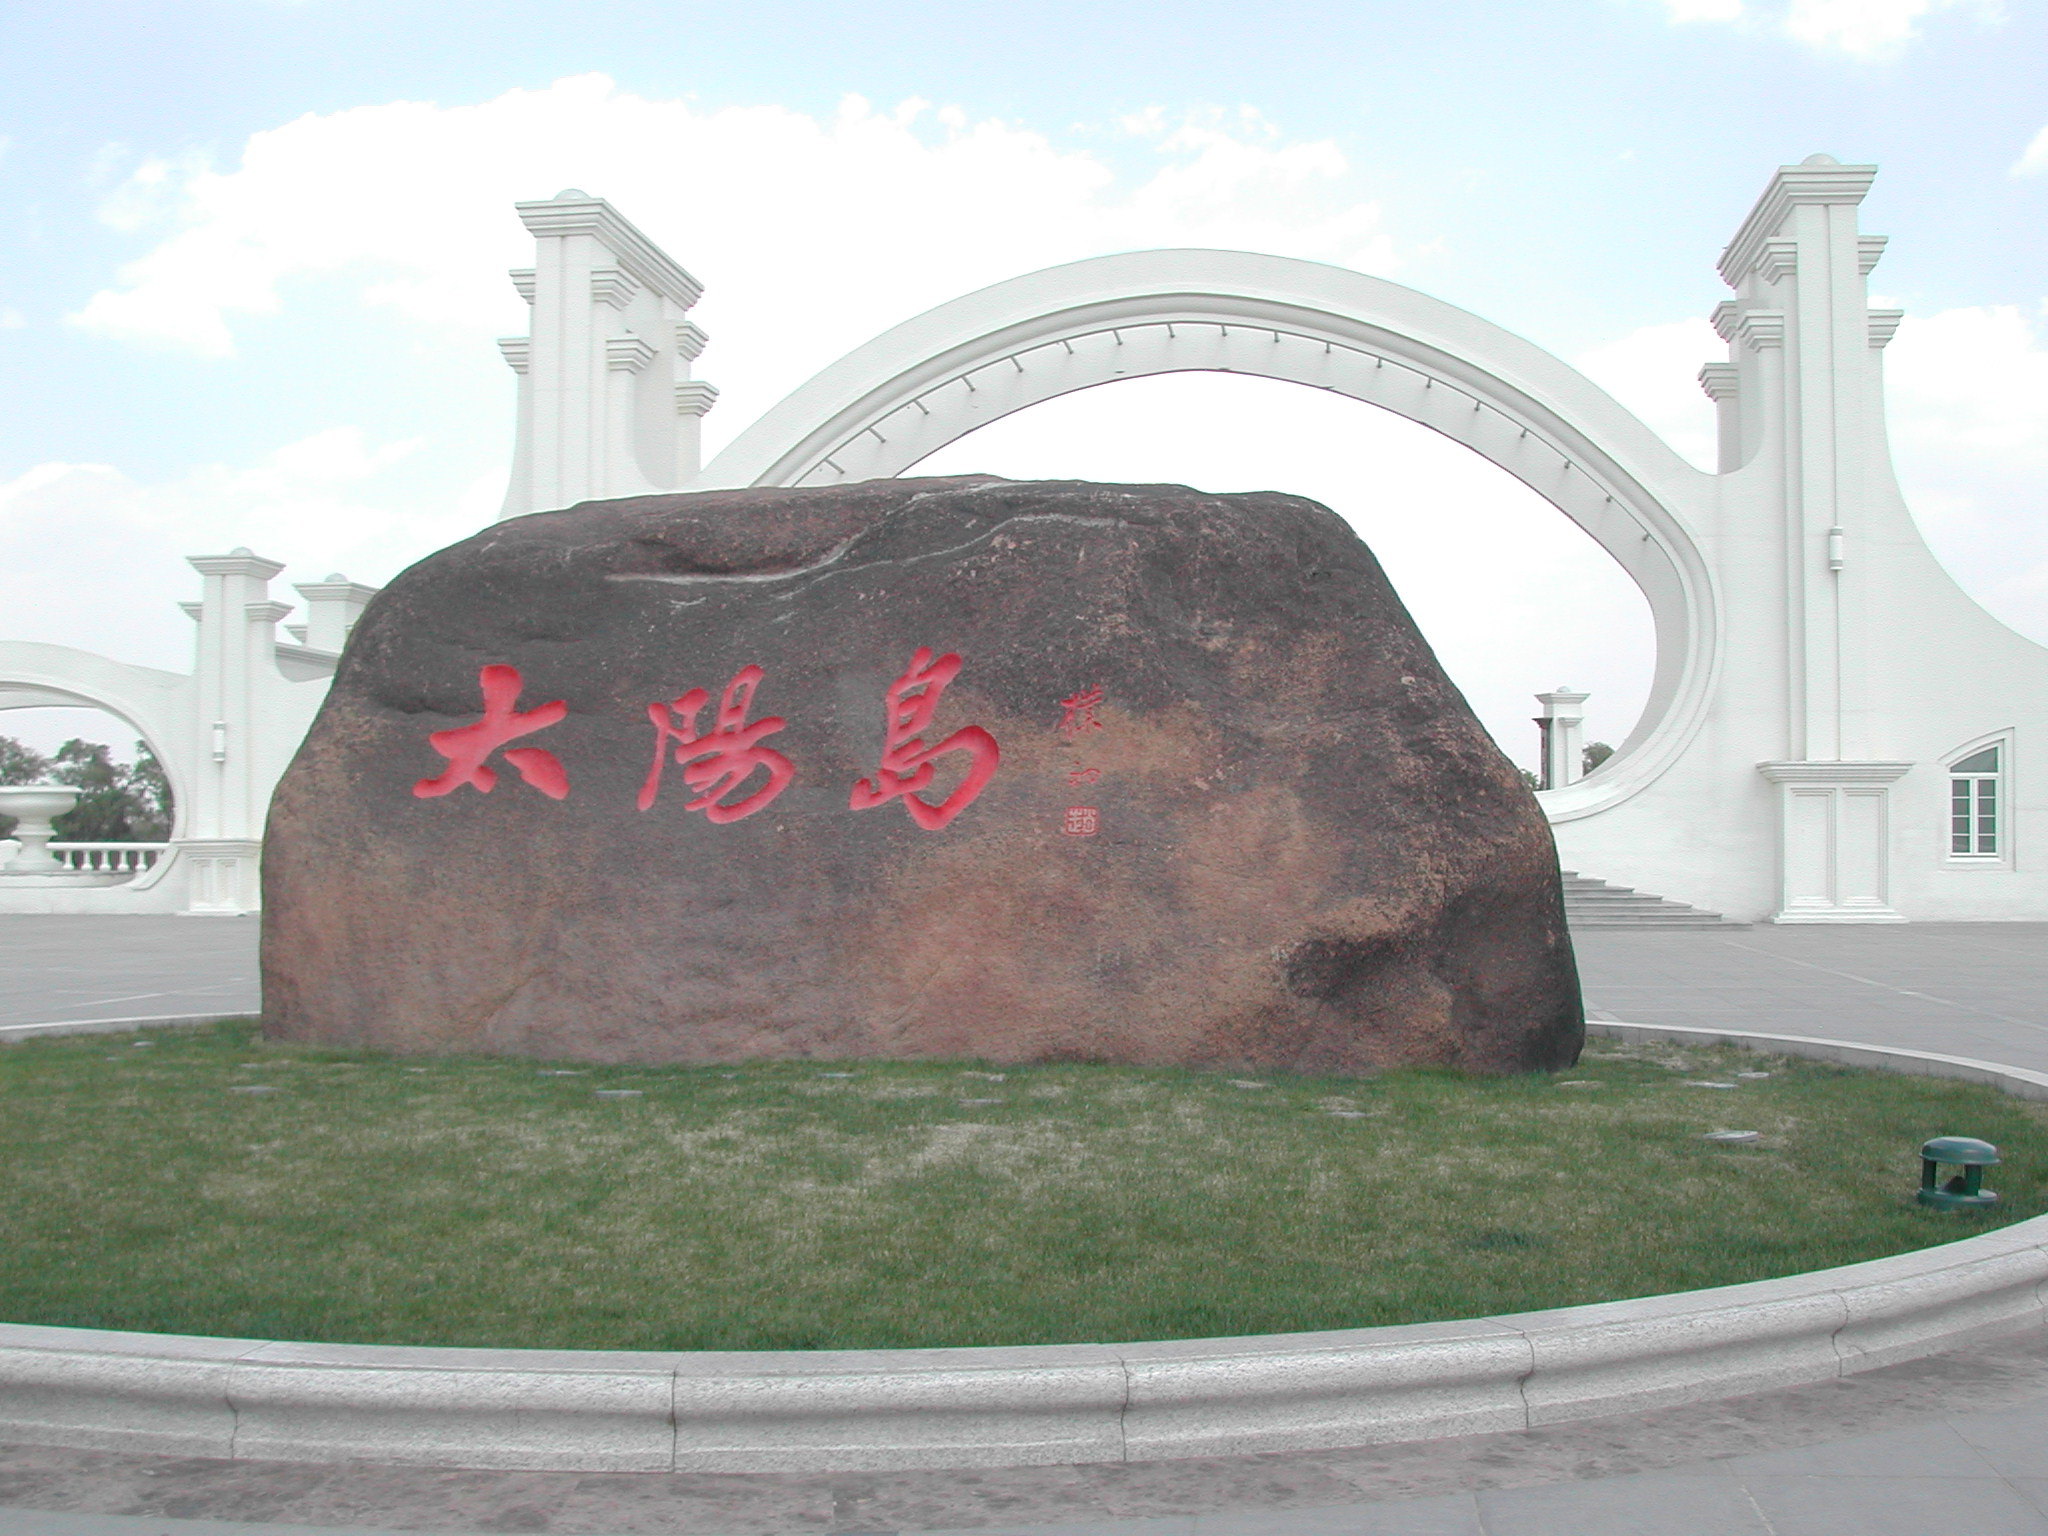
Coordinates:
[946,768]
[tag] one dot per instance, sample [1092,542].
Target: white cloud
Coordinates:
[811,234]
[11,319]
[95,559]
[149,194]
[1862,28]
[2035,160]
[1654,371]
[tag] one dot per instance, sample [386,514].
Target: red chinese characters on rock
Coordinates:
[908,765]
[1078,719]
[466,747]
[718,763]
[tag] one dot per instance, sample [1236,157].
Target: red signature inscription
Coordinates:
[1080,712]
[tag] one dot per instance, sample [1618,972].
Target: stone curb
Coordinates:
[10,1033]
[858,1410]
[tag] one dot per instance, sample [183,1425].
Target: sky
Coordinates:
[259,252]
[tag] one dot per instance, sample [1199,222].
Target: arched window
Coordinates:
[1976,804]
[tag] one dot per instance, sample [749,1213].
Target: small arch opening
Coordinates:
[125,795]
[1513,596]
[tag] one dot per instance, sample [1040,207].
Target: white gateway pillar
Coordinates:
[235,658]
[1802,416]
[607,406]
[332,608]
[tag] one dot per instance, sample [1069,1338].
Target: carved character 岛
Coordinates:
[907,763]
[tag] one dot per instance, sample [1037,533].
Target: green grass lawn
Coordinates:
[202,1181]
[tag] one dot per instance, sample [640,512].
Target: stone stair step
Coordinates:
[1590,902]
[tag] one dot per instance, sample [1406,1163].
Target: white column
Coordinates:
[693,399]
[517,351]
[606,403]
[236,647]
[332,608]
[1798,266]
[1723,384]
[624,358]
[1802,396]
[1563,750]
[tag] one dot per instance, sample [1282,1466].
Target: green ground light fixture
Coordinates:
[1965,1191]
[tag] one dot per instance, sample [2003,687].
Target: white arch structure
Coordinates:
[1817,672]
[932,380]
[223,731]
[37,676]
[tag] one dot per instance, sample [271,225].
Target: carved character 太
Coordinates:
[466,747]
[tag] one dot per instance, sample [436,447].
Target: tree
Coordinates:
[19,764]
[101,814]
[150,787]
[117,802]
[1596,753]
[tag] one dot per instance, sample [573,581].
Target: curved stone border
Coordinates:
[10,1033]
[843,1410]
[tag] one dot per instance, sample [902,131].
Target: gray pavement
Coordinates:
[1969,989]
[125,967]
[1953,1446]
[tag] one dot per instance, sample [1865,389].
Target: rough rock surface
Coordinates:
[1197,792]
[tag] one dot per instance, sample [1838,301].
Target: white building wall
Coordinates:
[1855,667]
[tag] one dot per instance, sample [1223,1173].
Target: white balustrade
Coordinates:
[108,858]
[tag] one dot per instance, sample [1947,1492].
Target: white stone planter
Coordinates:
[30,873]
[839,1410]
[36,805]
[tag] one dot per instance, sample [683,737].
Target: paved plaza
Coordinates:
[125,967]
[1970,989]
[1966,989]
[1952,1446]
